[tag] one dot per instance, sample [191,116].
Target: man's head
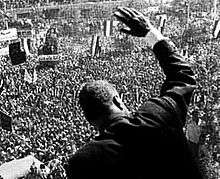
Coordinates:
[99,101]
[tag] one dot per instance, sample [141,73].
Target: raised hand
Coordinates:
[137,24]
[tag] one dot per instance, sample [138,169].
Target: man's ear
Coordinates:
[118,102]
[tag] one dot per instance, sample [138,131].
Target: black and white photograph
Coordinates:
[109,89]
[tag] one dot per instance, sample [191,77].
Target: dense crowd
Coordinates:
[12,4]
[47,120]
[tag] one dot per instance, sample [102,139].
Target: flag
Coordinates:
[9,34]
[162,22]
[214,13]
[4,51]
[5,121]
[35,76]
[30,44]
[25,44]
[17,56]
[137,94]
[95,48]
[108,28]
[27,76]
[216,29]
[2,85]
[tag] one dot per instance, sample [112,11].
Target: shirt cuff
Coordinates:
[154,36]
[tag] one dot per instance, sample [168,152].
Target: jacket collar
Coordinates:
[117,122]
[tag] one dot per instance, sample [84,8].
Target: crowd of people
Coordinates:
[11,4]
[47,120]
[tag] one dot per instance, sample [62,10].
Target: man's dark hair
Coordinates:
[95,97]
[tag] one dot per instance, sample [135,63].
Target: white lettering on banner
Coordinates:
[49,58]
[25,33]
[9,34]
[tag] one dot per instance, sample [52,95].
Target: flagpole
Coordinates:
[214,9]
[188,14]
[5,17]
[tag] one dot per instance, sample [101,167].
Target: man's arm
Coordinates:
[179,83]
[171,107]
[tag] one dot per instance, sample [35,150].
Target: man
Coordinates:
[150,143]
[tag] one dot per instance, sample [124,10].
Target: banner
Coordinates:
[95,48]
[27,76]
[108,28]
[20,167]
[25,45]
[48,61]
[4,51]
[162,22]
[9,34]
[47,58]
[25,33]
[17,55]
[216,29]
[35,76]
[5,121]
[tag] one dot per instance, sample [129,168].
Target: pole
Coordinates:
[214,9]
[5,19]
[188,14]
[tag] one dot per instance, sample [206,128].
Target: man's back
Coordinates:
[137,149]
[151,142]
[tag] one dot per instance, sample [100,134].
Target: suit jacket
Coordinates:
[150,143]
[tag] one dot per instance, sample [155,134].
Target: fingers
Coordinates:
[123,13]
[137,13]
[122,18]
[139,24]
[129,11]
[128,15]
[119,16]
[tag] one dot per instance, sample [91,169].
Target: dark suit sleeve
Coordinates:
[81,164]
[171,107]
